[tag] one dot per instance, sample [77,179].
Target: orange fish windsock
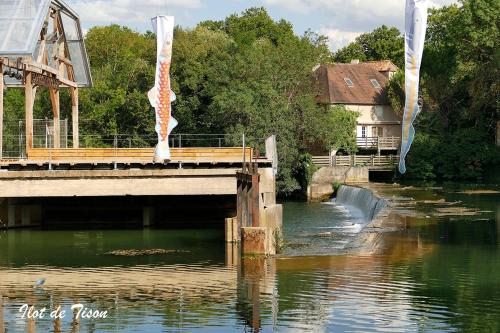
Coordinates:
[161,96]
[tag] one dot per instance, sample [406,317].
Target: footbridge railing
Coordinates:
[379,142]
[371,161]
[139,149]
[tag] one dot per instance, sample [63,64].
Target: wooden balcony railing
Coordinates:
[371,161]
[379,143]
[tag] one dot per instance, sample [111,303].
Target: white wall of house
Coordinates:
[374,130]
[376,120]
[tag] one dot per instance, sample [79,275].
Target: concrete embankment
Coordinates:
[321,186]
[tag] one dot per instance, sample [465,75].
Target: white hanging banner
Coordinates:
[415,27]
[160,96]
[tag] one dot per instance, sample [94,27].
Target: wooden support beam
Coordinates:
[67,82]
[65,60]
[56,109]
[74,117]
[28,104]
[41,69]
[1,109]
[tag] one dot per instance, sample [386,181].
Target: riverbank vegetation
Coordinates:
[250,74]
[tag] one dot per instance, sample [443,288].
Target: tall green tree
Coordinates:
[270,90]
[383,43]
[123,64]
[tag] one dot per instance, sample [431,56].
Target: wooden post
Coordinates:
[56,110]
[1,109]
[74,117]
[28,103]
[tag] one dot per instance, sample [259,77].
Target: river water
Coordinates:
[440,274]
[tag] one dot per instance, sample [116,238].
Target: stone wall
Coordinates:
[321,186]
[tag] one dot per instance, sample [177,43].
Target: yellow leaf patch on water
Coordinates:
[479,192]
[142,252]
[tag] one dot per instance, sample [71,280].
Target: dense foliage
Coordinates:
[247,74]
[460,88]
[381,44]
[250,74]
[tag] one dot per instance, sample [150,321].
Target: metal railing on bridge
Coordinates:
[139,149]
[15,146]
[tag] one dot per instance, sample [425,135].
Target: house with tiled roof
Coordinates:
[361,87]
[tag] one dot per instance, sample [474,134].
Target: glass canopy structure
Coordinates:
[23,24]
[41,45]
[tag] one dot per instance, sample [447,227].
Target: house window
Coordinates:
[377,131]
[363,131]
[348,81]
[375,83]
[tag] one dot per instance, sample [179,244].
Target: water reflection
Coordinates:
[440,274]
[397,290]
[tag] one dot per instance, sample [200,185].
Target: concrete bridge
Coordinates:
[238,174]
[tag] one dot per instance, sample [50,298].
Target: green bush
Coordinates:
[462,154]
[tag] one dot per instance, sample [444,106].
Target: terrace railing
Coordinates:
[371,161]
[379,143]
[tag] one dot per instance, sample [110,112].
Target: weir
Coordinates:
[361,198]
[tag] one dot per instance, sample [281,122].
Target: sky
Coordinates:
[340,20]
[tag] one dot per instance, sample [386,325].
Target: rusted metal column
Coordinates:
[254,199]
[250,205]
[244,206]
[239,200]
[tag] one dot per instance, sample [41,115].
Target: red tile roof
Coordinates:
[334,90]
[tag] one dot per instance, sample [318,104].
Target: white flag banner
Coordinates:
[160,96]
[415,27]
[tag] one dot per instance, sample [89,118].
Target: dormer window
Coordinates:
[348,81]
[375,84]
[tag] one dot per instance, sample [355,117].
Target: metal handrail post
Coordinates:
[50,149]
[115,144]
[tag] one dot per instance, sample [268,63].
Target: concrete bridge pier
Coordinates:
[258,224]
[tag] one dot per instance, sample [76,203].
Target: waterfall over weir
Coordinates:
[362,198]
